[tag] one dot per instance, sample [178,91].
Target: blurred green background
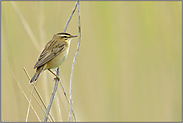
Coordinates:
[128,68]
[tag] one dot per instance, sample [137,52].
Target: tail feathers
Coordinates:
[36,75]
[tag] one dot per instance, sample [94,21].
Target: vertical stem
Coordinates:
[79,39]
[52,97]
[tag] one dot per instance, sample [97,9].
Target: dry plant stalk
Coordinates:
[34,88]
[79,39]
[22,91]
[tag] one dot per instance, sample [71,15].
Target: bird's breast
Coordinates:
[58,60]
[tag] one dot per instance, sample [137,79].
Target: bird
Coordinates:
[53,55]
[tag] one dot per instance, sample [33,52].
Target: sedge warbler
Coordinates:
[54,54]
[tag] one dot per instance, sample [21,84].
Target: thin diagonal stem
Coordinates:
[52,97]
[22,91]
[67,100]
[29,105]
[37,92]
[66,25]
[26,26]
[39,103]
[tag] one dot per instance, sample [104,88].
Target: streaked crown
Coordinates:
[64,35]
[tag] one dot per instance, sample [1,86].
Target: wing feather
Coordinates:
[51,50]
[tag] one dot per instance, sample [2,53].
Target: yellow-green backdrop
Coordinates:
[128,68]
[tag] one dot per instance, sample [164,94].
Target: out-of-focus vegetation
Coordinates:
[128,67]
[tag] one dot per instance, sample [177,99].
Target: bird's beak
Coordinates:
[73,36]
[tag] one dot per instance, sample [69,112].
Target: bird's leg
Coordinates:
[55,75]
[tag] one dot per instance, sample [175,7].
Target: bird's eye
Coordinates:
[65,36]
